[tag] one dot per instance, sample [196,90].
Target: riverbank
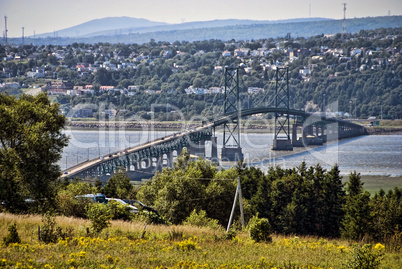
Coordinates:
[253,126]
[383,131]
[156,126]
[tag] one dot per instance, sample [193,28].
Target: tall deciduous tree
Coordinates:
[118,185]
[31,142]
[190,185]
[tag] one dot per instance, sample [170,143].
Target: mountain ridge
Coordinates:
[101,24]
[110,26]
[236,31]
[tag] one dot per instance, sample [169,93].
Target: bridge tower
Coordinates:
[231,150]
[282,139]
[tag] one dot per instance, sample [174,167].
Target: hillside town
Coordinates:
[192,68]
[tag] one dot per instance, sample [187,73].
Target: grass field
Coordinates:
[373,184]
[121,246]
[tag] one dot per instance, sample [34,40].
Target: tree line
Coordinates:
[302,200]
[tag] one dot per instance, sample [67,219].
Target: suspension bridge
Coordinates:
[306,129]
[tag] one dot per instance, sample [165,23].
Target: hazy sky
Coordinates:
[44,16]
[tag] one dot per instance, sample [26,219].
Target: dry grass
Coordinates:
[122,246]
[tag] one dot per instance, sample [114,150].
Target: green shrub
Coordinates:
[200,219]
[230,234]
[67,203]
[50,232]
[99,215]
[12,236]
[71,207]
[150,217]
[259,229]
[364,258]
[119,211]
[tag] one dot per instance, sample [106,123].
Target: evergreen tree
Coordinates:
[386,214]
[335,200]
[356,223]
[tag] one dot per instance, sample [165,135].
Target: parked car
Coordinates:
[96,197]
[133,209]
[140,205]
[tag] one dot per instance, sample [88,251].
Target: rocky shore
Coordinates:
[383,131]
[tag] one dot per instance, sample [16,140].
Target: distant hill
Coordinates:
[192,25]
[113,24]
[218,29]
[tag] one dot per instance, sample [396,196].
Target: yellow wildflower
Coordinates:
[379,246]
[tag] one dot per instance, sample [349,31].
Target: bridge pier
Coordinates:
[311,135]
[282,144]
[170,159]
[197,148]
[296,140]
[231,154]
[322,136]
[214,150]
[159,163]
[309,138]
[332,132]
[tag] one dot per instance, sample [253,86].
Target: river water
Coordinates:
[369,155]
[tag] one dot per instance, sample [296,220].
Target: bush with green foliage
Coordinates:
[229,235]
[12,236]
[259,229]
[119,211]
[68,204]
[118,186]
[200,219]
[99,215]
[177,192]
[365,257]
[150,217]
[49,231]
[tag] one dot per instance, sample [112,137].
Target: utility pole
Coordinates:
[5,30]
[237,195]
[22,35]
[344,19]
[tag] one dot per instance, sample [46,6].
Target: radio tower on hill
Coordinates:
[344,19]
[5,30]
